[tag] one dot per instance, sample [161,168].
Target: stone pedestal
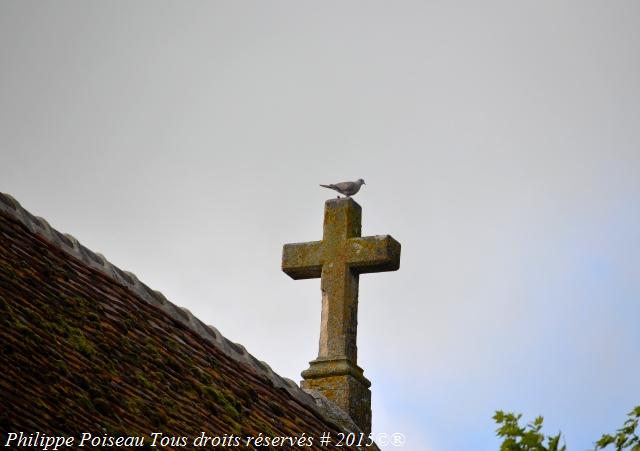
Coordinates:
[345,385]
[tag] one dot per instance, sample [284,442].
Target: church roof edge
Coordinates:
[71,246]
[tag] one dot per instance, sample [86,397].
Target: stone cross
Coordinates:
[338,260]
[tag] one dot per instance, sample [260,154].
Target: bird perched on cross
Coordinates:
[346,188]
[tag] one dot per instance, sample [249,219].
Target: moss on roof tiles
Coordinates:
[81,353]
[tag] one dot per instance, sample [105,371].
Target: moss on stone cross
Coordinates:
[338,260]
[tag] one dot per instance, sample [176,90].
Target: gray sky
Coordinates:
[500,142]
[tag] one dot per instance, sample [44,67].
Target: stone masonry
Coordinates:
[338,260]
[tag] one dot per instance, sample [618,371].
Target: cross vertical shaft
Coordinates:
[339,317]
[339,285]
[338,260]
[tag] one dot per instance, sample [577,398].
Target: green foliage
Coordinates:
[626,437]
[530,437]
[527,438]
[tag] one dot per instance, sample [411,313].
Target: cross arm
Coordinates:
[373,254]
[302,260]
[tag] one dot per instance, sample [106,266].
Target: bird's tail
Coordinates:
[327,186]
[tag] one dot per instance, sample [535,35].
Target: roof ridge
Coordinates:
[70,245]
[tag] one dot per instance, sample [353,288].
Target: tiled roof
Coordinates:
[87,347]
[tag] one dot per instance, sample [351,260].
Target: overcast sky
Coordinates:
[500,143]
